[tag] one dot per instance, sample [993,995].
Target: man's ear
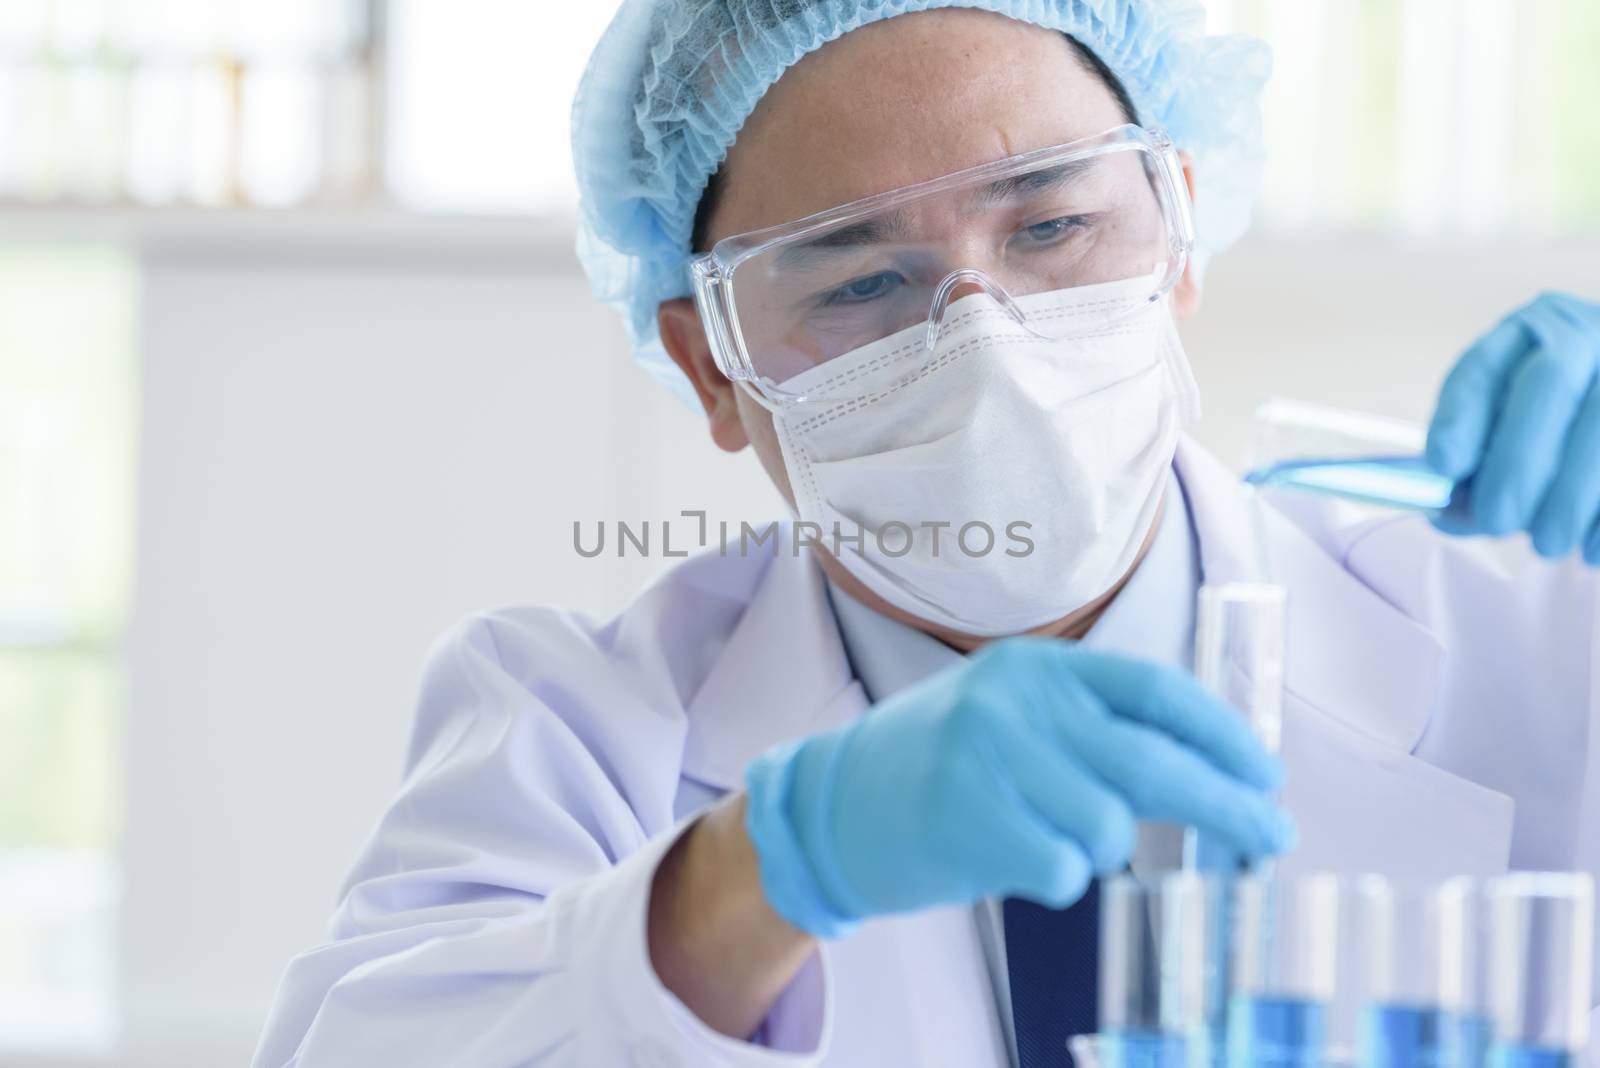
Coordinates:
[684,338]
[1186,294]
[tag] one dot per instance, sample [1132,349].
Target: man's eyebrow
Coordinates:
[891,225]
[1034,181]
[817,250]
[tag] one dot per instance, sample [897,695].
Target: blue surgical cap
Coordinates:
[671,82]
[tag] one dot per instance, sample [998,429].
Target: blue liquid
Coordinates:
[1276,1033]
[1531,1057]
[1392,481]
[1143,1049]
[1420,1036]
[1465,1041]
[1404,1036]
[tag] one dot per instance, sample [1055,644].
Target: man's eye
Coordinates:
[867,287]
[1053,229]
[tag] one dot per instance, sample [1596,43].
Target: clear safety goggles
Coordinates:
[783,301]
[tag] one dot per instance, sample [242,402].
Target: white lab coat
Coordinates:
[1439,719]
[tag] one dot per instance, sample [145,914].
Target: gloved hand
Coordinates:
[1518,428]
[1019,772]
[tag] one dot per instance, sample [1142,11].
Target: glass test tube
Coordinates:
[1157,945]
[1464,980]
[1541,961]
[1360,457]
[1424,994]
[1239,632]
[1284,967]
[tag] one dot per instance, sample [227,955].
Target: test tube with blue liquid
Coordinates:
[1425,990]
[1284,965]
[1541,968]
[1239,651]
[1155,947]
[1369,459]
[1464,912]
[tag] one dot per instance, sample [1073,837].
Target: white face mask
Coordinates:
[1061,445]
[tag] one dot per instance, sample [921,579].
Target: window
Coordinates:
[185,101]
[457,105]
[1438,118]
[66,496]
[480,118]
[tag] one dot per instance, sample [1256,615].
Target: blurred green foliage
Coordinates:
[59,775]
[1576,96]
[68,405]
[1356,131]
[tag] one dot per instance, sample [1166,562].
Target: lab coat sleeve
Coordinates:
[497,914]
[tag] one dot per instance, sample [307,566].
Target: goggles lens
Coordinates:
[1054,223]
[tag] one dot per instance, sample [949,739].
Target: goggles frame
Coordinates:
[712,273]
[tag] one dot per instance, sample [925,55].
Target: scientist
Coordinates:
[839,799]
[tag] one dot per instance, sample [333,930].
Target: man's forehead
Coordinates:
[870,117]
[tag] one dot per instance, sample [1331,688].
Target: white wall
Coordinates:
[340,459]
[344,452]
[1366,324]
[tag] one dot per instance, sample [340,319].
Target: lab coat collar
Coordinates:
[783,672]
[1349,652]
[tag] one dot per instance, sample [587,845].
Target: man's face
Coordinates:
[891,104]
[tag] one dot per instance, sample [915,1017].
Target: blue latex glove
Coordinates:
[1518,428]
[1019,772]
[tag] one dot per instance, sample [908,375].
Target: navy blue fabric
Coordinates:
[1052,959]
